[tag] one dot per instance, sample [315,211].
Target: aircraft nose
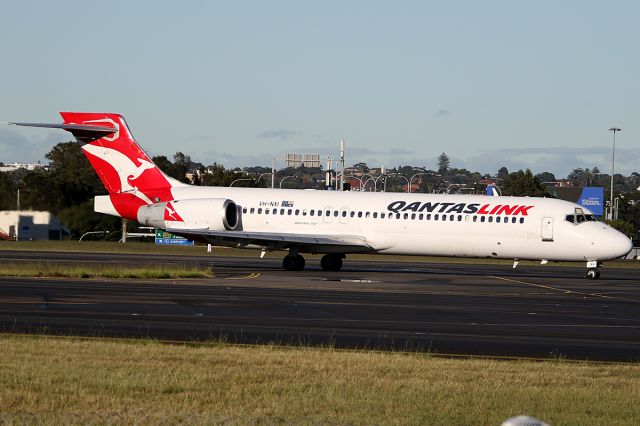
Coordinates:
[621,245]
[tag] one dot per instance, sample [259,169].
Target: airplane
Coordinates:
[336,223]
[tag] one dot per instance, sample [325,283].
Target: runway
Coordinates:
[493,310]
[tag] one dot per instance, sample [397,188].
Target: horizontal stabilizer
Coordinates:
[83,132]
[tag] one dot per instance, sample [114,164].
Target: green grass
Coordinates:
[137,248]
[48,380]
[102,271]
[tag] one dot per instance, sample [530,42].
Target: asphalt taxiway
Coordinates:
[467,309]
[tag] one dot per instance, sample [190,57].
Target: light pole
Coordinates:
[260,177]
[92,232]
[364,181]
[397,175]
[364,184]
[238,180]
[18,180]
[285,178]
[613,167]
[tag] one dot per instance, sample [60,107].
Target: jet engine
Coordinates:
[215,214]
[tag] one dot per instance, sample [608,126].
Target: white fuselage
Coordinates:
[423,224]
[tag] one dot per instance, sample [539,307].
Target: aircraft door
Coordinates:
[547,229]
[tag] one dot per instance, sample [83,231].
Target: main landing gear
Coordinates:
[293,262]
[593,273]
[329,262]
[332,262]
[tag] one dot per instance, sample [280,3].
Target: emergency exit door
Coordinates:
[547,229]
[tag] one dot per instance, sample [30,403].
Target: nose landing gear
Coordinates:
[593,273]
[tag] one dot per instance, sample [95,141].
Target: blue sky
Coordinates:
[493,83]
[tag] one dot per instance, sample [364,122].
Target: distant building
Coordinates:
[23,225]
[311,161]
[17,166]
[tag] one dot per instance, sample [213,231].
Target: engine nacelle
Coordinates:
[215,214]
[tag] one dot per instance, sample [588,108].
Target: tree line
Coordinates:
[68,186]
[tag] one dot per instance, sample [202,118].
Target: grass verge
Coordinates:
[102,271]
[67,380]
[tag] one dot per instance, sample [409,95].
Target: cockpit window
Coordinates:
[579,216]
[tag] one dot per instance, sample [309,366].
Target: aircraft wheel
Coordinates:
[593,274]
[331,262]
[293,262]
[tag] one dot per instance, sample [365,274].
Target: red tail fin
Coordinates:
[127,172]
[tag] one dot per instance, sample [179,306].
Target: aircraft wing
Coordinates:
[306,242]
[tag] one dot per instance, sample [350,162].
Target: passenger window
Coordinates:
[475,218]
[260,210]
[335,213]
[289,212]
[297,212]
[253,209]
[459,218]
[311,213]
[498,219]
[482,218]
[513,220]
[413,216]
[435,217]
[359,214]
[353,214]
[382,215]
[282,212]
[344,213]
[428,216]
[367,214]
[266,211]
[275,211]
[397,215]
[522,220]
[304,212]
[444,217]
[327,213]
[244,210]
[375,215]
[490,219]
[406,215]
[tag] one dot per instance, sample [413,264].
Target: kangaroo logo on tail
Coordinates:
[126,171]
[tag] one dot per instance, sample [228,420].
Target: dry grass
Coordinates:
[53,380]
[102,271]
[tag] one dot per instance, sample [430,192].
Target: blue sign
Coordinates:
[166,238]
[593,199]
